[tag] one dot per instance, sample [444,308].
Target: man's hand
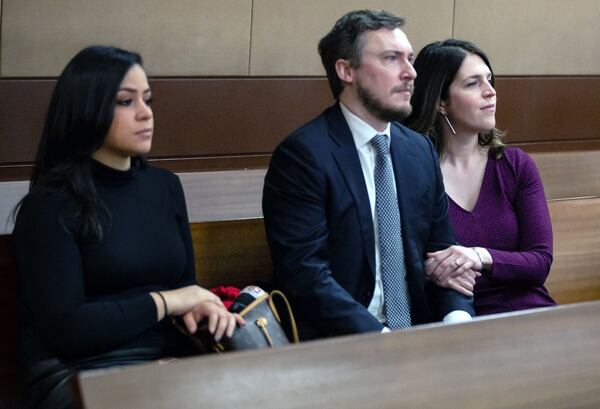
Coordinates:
[456,267]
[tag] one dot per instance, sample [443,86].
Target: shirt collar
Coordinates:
[361,131]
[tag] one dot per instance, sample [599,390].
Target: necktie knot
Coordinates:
[380,144]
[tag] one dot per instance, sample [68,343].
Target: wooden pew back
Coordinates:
[236,252]
[544,359]
[575,272]
[569,175]
[231,253]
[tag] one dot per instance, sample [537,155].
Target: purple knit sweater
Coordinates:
[511,220]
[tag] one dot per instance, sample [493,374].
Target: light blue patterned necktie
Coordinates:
[391,252]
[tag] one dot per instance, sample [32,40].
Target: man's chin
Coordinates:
[393,114]
[385,112]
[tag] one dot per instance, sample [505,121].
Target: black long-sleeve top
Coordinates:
[80,298]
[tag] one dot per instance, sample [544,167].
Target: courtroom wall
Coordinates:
[233,77]
[278,37]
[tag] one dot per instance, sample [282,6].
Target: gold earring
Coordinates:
[449,124]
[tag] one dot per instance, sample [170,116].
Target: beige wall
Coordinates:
[177,37]
[279,37]
[0,35]
[285,33]
[537,37]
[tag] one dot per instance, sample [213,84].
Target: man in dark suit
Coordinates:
[319,199]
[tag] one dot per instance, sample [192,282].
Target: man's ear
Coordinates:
[344,71]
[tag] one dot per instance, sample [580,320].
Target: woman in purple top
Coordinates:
[496,198]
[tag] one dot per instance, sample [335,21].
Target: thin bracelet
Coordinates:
[479,257]
[164,302]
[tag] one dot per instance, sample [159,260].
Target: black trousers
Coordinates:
[48,384]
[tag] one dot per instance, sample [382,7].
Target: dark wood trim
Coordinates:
[560,146]
[175,164]
[235,123]
[204,164]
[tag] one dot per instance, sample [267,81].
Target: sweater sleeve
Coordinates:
[530,263]
[52,287]
[186,235]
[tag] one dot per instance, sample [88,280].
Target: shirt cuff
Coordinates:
[457,316]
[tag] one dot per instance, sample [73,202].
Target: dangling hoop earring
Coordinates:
[449,124]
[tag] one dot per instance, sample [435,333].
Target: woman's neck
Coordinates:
[117,162]
[461,149]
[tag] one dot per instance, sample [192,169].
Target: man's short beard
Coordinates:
[380,111]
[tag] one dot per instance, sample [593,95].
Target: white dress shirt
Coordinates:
[362,133]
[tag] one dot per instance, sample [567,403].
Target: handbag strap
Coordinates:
[253,304]
[289,310]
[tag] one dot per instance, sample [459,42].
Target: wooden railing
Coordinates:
[537,359]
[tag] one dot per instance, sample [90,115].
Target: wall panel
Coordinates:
[534,37]
[197,120]
[549,109]
[205,37]
[219,123]
[183,37]
[0,37]
[285,33]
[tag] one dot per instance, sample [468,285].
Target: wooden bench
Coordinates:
[569,174]
[575,272]
[572,188]
[545,358]
[231,253]
[235,253]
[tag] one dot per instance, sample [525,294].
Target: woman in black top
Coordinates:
[102,240]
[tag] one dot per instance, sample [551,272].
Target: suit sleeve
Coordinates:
[443,300]
[294,208]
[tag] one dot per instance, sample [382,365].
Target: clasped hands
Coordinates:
[456,268]
[195,304]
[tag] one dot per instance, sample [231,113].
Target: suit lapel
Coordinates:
[346,157]
[403,163]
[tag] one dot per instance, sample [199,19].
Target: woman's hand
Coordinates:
[220,321]
[194,304]
[456,267]
[182,300]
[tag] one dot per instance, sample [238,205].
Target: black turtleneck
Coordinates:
[81,298]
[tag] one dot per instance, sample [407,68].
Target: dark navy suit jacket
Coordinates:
[320,229]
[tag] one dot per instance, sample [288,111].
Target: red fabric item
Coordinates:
[226,294]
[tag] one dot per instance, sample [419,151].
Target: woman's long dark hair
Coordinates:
[79,117]
[436,66]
